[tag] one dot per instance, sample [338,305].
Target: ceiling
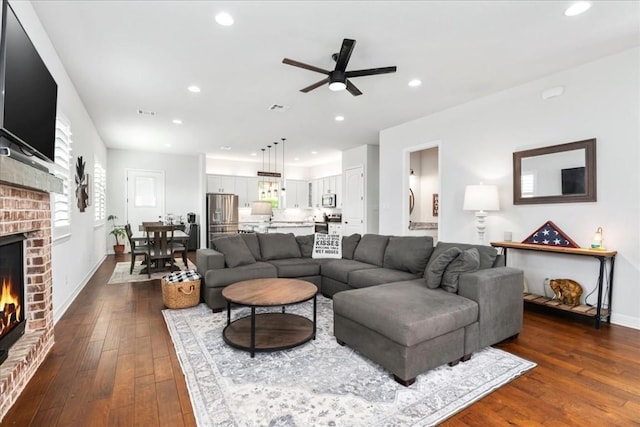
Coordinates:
[128,55]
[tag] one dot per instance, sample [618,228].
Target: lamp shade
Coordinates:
[481,198]
[261,208]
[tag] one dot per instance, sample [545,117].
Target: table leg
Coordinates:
[600,280]
[314,316]
[253,331]
[611,265]
[228,313]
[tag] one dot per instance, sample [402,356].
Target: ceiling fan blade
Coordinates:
[370,72]
[352,89]
[345,54]
[305,66]
[315,85]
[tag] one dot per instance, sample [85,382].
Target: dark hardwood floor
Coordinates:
[114,364]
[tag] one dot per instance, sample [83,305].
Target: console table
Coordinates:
[602,255]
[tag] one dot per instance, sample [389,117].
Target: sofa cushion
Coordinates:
[408,253]
[488,254]
[371,249]
[467,262]
[226,276]
[305,243]
[278,246]
[349,244]
[327,246]
[435,268]
[377,276]
[296,267]
[425,314]
[235,250]
[339,269]
[251,239]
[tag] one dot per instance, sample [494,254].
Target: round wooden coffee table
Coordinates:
[274,330]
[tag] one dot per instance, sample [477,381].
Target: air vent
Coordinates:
[146,112]
[278,107]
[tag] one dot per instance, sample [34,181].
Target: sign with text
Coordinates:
[327,246]
[270,174]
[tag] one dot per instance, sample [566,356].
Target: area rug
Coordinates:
[121,272]
[319,383]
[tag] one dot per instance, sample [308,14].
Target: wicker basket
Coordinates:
[181,294]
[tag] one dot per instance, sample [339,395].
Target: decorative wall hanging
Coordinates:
[436,204]
[82,185]
[550,235]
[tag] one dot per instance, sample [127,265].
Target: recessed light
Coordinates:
[314,152]
[225,148]
[254,154]
[177,121]
[194,89]
[415,82]
[224,19]
[167,145]
[339,118]
[296,158]
[577,8]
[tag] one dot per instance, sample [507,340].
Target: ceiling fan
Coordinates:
[338,79]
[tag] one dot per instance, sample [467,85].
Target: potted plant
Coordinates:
[118,232]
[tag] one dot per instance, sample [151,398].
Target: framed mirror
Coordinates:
[564,173]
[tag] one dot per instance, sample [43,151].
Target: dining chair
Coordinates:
[159,249]
[136,248]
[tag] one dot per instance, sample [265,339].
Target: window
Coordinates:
[99,191]
[61,203]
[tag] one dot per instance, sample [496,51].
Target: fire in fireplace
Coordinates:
[12,316]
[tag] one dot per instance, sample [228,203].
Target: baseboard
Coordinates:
[57,315]
[624,320]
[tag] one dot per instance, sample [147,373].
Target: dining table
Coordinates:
[140,238]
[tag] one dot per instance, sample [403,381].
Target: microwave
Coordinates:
[328,200]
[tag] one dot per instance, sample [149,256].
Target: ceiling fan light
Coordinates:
[337,86]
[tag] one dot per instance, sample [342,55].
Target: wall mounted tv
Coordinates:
[29,93]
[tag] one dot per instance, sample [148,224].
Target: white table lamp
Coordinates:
[481,198]
[263,209]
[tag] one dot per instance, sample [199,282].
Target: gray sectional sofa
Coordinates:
[398,300]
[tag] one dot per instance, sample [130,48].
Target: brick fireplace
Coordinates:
[25,209]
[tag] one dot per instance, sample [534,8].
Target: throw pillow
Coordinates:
[436,268]
[278,246]
[408,253]
[306,245]
[349,244]
[327,246]
[235,250]
[467,262]
[371,249]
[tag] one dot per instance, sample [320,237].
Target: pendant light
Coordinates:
[262,194]
[275,169]
[283,181]
[269,170]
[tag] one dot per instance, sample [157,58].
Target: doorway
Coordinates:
[424,192]
[145,196]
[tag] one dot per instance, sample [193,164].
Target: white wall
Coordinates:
[477,140]
[184,189]
[76,256]
[240,168]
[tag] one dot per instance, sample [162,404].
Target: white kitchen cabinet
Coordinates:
[317,186]
[338,191]
[247,190]
[221,184]
[297,195]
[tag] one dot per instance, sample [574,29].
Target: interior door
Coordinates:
[145,196]
[353,206]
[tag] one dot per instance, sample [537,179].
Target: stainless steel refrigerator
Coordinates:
[222,215]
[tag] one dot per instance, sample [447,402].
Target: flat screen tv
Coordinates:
[573,181]
[29,93]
